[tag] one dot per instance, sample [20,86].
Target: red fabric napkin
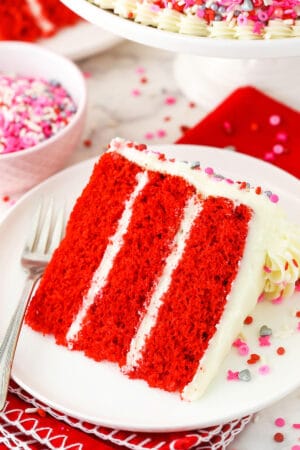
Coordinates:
[250,122]
[28,424]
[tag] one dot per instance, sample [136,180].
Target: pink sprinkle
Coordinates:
[264,341]
[161,133]
[140,70]
[262,16]
[281,136]
[209,171]
[242,20]
[232,375]
[279,422]
[149,136]
[227,126]
[261,297]
[269,156]
[298,326]
[295,447]
[243,349]
[274,120]
[229,181]
[87,75]
[264,370]
[274,198]
[155,8]
[267,269]
[170,100]
[237,343]
[277,300]
[296,426]
[258,27]
[278,149]
[135,92]
[200,13]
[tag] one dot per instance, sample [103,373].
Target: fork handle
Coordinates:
[9,343]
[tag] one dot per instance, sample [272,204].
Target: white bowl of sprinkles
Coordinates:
[42,114]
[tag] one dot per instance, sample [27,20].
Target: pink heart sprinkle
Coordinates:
[232,375]
[264,341]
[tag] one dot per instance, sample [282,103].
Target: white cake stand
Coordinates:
[207,69]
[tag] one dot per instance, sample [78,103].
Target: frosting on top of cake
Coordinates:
[226,19]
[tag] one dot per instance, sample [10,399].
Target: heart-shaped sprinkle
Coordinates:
[245,375]
[265,331]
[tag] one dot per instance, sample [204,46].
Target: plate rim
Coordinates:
[102,42]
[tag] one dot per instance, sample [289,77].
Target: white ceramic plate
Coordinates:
[223,48]
[98,392]
[81,41]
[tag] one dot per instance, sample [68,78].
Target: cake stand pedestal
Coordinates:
[207,81]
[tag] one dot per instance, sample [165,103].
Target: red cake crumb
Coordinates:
[184,328]
[109,326]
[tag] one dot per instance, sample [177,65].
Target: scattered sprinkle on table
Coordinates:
[278,437]
[280,351]
[279,422]
[31,111]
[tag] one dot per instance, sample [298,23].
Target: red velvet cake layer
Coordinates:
[93,221]
[16,21]
[112,321]
[193,305]
[58,13]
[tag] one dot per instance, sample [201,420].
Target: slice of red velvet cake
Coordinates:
[160,265]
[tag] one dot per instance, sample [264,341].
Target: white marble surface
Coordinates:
[114,111]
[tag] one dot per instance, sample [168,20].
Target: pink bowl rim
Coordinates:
[81,106]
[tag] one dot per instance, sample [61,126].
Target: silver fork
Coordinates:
[46,233]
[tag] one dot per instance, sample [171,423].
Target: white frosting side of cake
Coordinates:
[101,274]
[193,26]
[240,302]
[146,14]
[37,12]
[278,29]
[191,211]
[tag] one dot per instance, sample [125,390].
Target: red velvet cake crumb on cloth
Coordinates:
[250,122]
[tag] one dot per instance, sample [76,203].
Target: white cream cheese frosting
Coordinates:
[223,19]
